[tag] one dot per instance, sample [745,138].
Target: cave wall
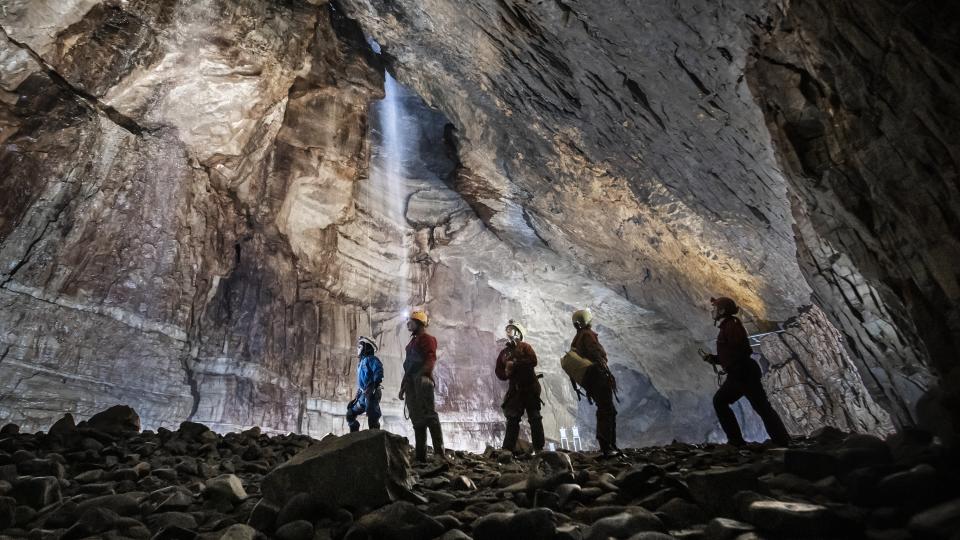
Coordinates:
[198,226]
[861,101]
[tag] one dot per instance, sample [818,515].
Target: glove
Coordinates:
[401,395]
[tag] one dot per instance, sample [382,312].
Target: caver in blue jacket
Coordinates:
[369,377]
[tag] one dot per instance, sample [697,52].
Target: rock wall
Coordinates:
[201,219]
[860,100]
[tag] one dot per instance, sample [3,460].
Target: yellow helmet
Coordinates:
[582,317]
[420,316]
[514,324]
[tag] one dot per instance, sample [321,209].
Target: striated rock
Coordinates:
[203,212]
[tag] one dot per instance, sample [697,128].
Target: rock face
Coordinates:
[208,202]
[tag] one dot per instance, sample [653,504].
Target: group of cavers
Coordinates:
[585,364]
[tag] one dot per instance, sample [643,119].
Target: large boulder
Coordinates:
[116,419]
[366,469]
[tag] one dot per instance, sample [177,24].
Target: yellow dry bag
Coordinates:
[575,366]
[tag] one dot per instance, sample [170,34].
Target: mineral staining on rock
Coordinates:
[195,226]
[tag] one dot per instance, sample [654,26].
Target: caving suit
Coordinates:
[743,380]
[523,393]
[367,400]
[418,385]
[600,385]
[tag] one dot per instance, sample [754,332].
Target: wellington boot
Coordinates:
[420,439]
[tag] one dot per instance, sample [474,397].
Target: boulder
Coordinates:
[8,506]
[295,530]
[396,521]
[63,426]
[809,464]
[364,469]
[37,492]
[941,521]
[786,518]
[714,489]
[118,419]
[192,430]
[237,532]
[725,529]
[226,487]
[624,525]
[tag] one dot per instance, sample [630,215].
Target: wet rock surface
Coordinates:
[193,198]
[187,484]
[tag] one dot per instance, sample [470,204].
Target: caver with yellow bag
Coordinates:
[586,365]
[515,364]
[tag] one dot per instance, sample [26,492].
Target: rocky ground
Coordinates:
[105,479]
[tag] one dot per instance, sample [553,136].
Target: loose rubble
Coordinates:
[105,479]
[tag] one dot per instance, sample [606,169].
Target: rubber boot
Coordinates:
[512,434]
[436,436]
[536,433]
[420,440]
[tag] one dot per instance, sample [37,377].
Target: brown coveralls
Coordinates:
[599,384]
[418,386]
[523,393]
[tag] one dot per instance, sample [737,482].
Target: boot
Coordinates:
[436,436]
[511,434]
[536,433]
[420,440]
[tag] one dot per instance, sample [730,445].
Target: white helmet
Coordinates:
[364,340]
[518,327]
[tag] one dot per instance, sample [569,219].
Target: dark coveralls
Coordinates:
[743,379]
[599,384]
[418,389]
[523,393]
[367,400]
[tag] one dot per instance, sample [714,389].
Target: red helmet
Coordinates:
[726,305]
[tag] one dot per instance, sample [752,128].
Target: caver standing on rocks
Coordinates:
[369,377]
[515,364]
[743,376]
[586,364]
[417,386]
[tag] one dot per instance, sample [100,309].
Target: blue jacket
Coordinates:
[369,372]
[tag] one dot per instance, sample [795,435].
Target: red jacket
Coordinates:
[524,360]
[587,345]
[421,355]
[733,346]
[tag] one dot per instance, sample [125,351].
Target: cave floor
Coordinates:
[194,483]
